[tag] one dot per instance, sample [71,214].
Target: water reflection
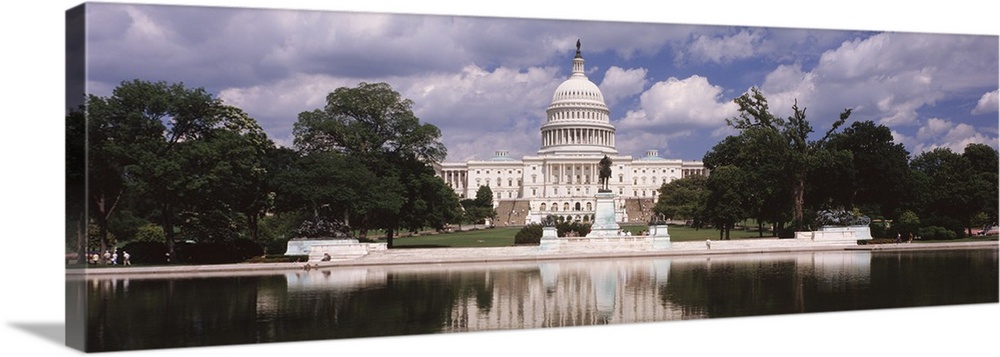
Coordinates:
[400,300]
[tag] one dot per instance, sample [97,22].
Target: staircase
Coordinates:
[512,212]
[639,210]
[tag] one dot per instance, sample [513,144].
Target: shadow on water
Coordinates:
[53,332]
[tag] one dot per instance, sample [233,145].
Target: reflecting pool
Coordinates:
[346,302]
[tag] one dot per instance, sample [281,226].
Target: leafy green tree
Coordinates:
[983,180]
[877,174]
[76,198]
[948,196]
[371,121]
[792,155]
[484,196]
[726,199]
[683,198]
[429,201]
[907,223]
[172,147]
[374,124]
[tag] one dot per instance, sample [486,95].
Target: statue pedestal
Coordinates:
[660,236]
[837,234]
[337,248]
[550,239]
[604,217]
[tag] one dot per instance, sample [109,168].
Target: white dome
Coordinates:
[578,89]
[578,121]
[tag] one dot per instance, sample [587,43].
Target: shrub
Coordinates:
[578,229]
[146,252]
[936,232]
[878,230]
[276,246]
[234,251]
[530,234]
[947,223]
[150,232]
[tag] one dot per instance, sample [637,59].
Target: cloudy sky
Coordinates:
[486,81]
[33,40]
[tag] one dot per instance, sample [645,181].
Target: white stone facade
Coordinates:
[562,178]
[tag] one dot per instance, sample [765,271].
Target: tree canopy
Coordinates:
[374,129]
[180,155]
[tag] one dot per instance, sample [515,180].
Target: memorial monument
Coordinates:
[604,213]
[323,240]
[838,226]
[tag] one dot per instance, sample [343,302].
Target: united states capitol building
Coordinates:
[562,177]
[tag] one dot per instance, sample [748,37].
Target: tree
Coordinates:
[796,152]
[76,197]
[983,162]
[375,125]
[483,204]
[725,201]
[876,175]
[484,196]
[370,121]
[683,198]
[174,148]
[947,198]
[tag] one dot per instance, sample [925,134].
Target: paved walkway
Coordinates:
[411,256]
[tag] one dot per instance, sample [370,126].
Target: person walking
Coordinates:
[114,258]
[125,258]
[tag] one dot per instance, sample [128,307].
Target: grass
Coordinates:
[504,237]
[493,237]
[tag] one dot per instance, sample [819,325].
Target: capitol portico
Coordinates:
[562,177]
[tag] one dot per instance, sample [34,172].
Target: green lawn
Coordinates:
[493,237]
[504,237]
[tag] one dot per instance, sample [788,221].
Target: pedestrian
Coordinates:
[911,238]
[899,238]
[125,257]
[107,257]
[114,258]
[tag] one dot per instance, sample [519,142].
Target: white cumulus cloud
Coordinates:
[988,103]
[888,78]
[943,133]
[689,102]
[723,49]
[621,83]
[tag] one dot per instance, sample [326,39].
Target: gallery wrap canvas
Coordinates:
[223,187]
